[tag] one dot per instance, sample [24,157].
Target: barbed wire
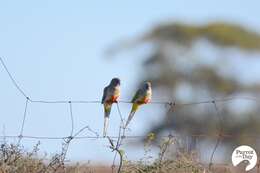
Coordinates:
[121,133]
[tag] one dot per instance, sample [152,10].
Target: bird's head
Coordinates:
[147,85]
[115,82]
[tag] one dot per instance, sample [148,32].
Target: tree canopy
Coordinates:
[174,63]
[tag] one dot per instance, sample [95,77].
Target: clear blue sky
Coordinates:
[55,50]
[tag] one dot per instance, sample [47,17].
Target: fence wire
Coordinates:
[116,141]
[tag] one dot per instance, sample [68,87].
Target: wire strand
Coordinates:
[23,121]
[12,79]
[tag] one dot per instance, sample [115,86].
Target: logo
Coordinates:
[244,153]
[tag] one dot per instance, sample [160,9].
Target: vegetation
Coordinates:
[189,62]
[220,33]
[14,159]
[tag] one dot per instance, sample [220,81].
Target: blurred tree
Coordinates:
[189,63]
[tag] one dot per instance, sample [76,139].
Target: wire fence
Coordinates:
[116,141]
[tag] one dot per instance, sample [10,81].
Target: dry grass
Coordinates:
[14,159]
[177,165]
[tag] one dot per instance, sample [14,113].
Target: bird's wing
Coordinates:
[137,95]
[104,94]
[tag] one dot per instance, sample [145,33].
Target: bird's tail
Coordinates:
[106,119]
[131,115]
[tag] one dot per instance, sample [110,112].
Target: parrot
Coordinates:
[142,96]
[111,94]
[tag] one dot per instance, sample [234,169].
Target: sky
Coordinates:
[55,51]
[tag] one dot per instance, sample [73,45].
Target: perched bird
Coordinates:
[142,96]
[110,95]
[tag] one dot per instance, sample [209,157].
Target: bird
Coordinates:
[111,94]
[142,96]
